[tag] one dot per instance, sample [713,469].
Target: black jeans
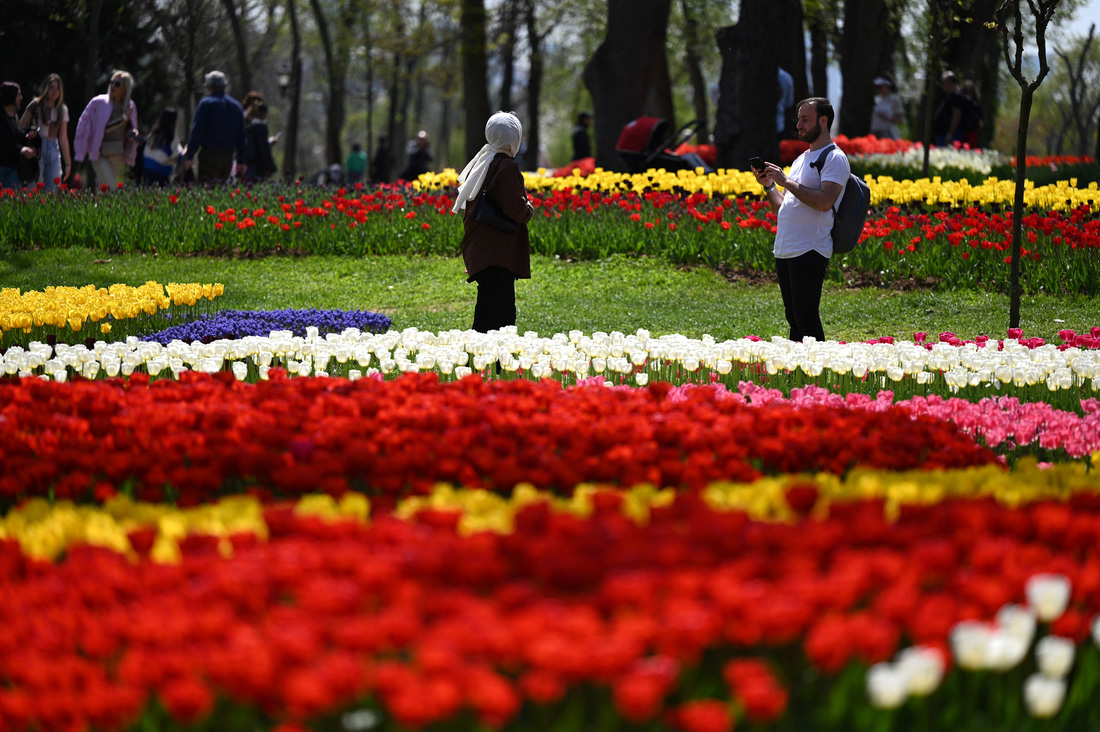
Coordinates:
[800,282]
[496,299]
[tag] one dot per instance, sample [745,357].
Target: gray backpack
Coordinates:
[851,214]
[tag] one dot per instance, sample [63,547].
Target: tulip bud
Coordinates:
[1044,696]
[970,640]
[1054,656]
[923,669]
[1018,621]
[886,686]
[1049,595]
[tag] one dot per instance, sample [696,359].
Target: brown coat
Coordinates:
[483,246]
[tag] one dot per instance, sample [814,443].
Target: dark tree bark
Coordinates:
[792,49]
[534,87]
[863,55]
[616,75]
[659,103]
[395,125]
[749,87]
[335,112]
[695,71]
[95,10]
[1010,23]
[1080,114]
[241,42]
[973,53]
[819,58]
[290,157]
[475,86]
[509,23]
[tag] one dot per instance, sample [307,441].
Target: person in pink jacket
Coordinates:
[107,131]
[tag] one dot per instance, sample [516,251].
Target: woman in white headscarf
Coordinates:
[495,259]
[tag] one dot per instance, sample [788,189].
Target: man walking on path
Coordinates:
[218,131]
[804,223]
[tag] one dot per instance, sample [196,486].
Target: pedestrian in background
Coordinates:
[13,141]
[380,163]
[582,146]
[887,113]
[420,157]
[49,115]
[162,149]
[217,133]
[107,131]
[356,164]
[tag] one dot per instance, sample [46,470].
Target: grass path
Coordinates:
[431,293]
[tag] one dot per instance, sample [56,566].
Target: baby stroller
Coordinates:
[646,143]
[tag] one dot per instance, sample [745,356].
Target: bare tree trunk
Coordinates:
[508,27]
[475,87]
[334,67]
[244,69]
[695,71]
[95,10]
[792,49]
[1080,117]
[534,88]
[973,53]
[863,55]
[819,58]
[290,157]
[749,87]
[619,85]
[659,102]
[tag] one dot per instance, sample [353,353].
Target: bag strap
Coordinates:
[820,165]
[489,180]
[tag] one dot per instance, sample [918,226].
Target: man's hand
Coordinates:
[27,152]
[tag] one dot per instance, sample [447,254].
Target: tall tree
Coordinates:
[290,158]
[239,35]
[337,50]
[791,52]
[621,73]
[475,85]
[973,53]
[693,62]
[865,52]
[509,25]
[748,91]
[1010,22]
[1078,107]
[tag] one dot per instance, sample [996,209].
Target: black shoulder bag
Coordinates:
[487,211]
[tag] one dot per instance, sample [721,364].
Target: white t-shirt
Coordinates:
[891,107]
[801,228]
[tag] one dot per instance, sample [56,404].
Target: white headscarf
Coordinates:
[503,133]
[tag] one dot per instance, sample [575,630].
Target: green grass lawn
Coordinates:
[623,294]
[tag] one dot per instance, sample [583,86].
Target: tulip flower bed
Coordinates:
[203,436]
[628,611]
[955,233]
[114,313]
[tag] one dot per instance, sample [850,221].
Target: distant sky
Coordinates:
[1088,14]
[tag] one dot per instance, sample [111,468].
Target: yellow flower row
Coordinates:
[46,530]
[71,307]
[932,191]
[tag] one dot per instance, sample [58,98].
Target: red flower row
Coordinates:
[430,623]
[204,436]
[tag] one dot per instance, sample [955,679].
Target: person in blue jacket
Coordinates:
[217,133]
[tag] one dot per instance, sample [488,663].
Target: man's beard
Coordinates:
[811,134]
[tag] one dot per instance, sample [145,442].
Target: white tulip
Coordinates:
[970,641]
[922,667]
[1049,595]
[1018,621]
[1096,630]
[1054,656]
[1044,696]
[240,370]
[354,374]
[641,378]
[1005,652]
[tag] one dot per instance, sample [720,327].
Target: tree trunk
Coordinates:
[695,72]
[748,89]
[973,53]
[618,83]
[1028,95]
[334,119]
[475,87]
[395,133]
[95,10]
[659,103]
[792,49]
[509,25]
[244,69]
[863,55]
[534,89]
[290,157]
[819,58]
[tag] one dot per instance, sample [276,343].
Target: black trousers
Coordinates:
[800,281]
[496,299]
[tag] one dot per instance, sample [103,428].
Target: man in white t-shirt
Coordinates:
[804,224]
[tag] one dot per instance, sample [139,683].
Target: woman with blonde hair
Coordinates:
[495,248]
[106,133]
[49,115]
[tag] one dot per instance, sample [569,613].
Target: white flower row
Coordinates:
[939,158]
[638,356]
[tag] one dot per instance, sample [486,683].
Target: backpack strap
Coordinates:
[820,164]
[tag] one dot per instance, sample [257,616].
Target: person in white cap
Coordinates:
[887,114]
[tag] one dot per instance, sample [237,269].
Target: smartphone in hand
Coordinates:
[757,163]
